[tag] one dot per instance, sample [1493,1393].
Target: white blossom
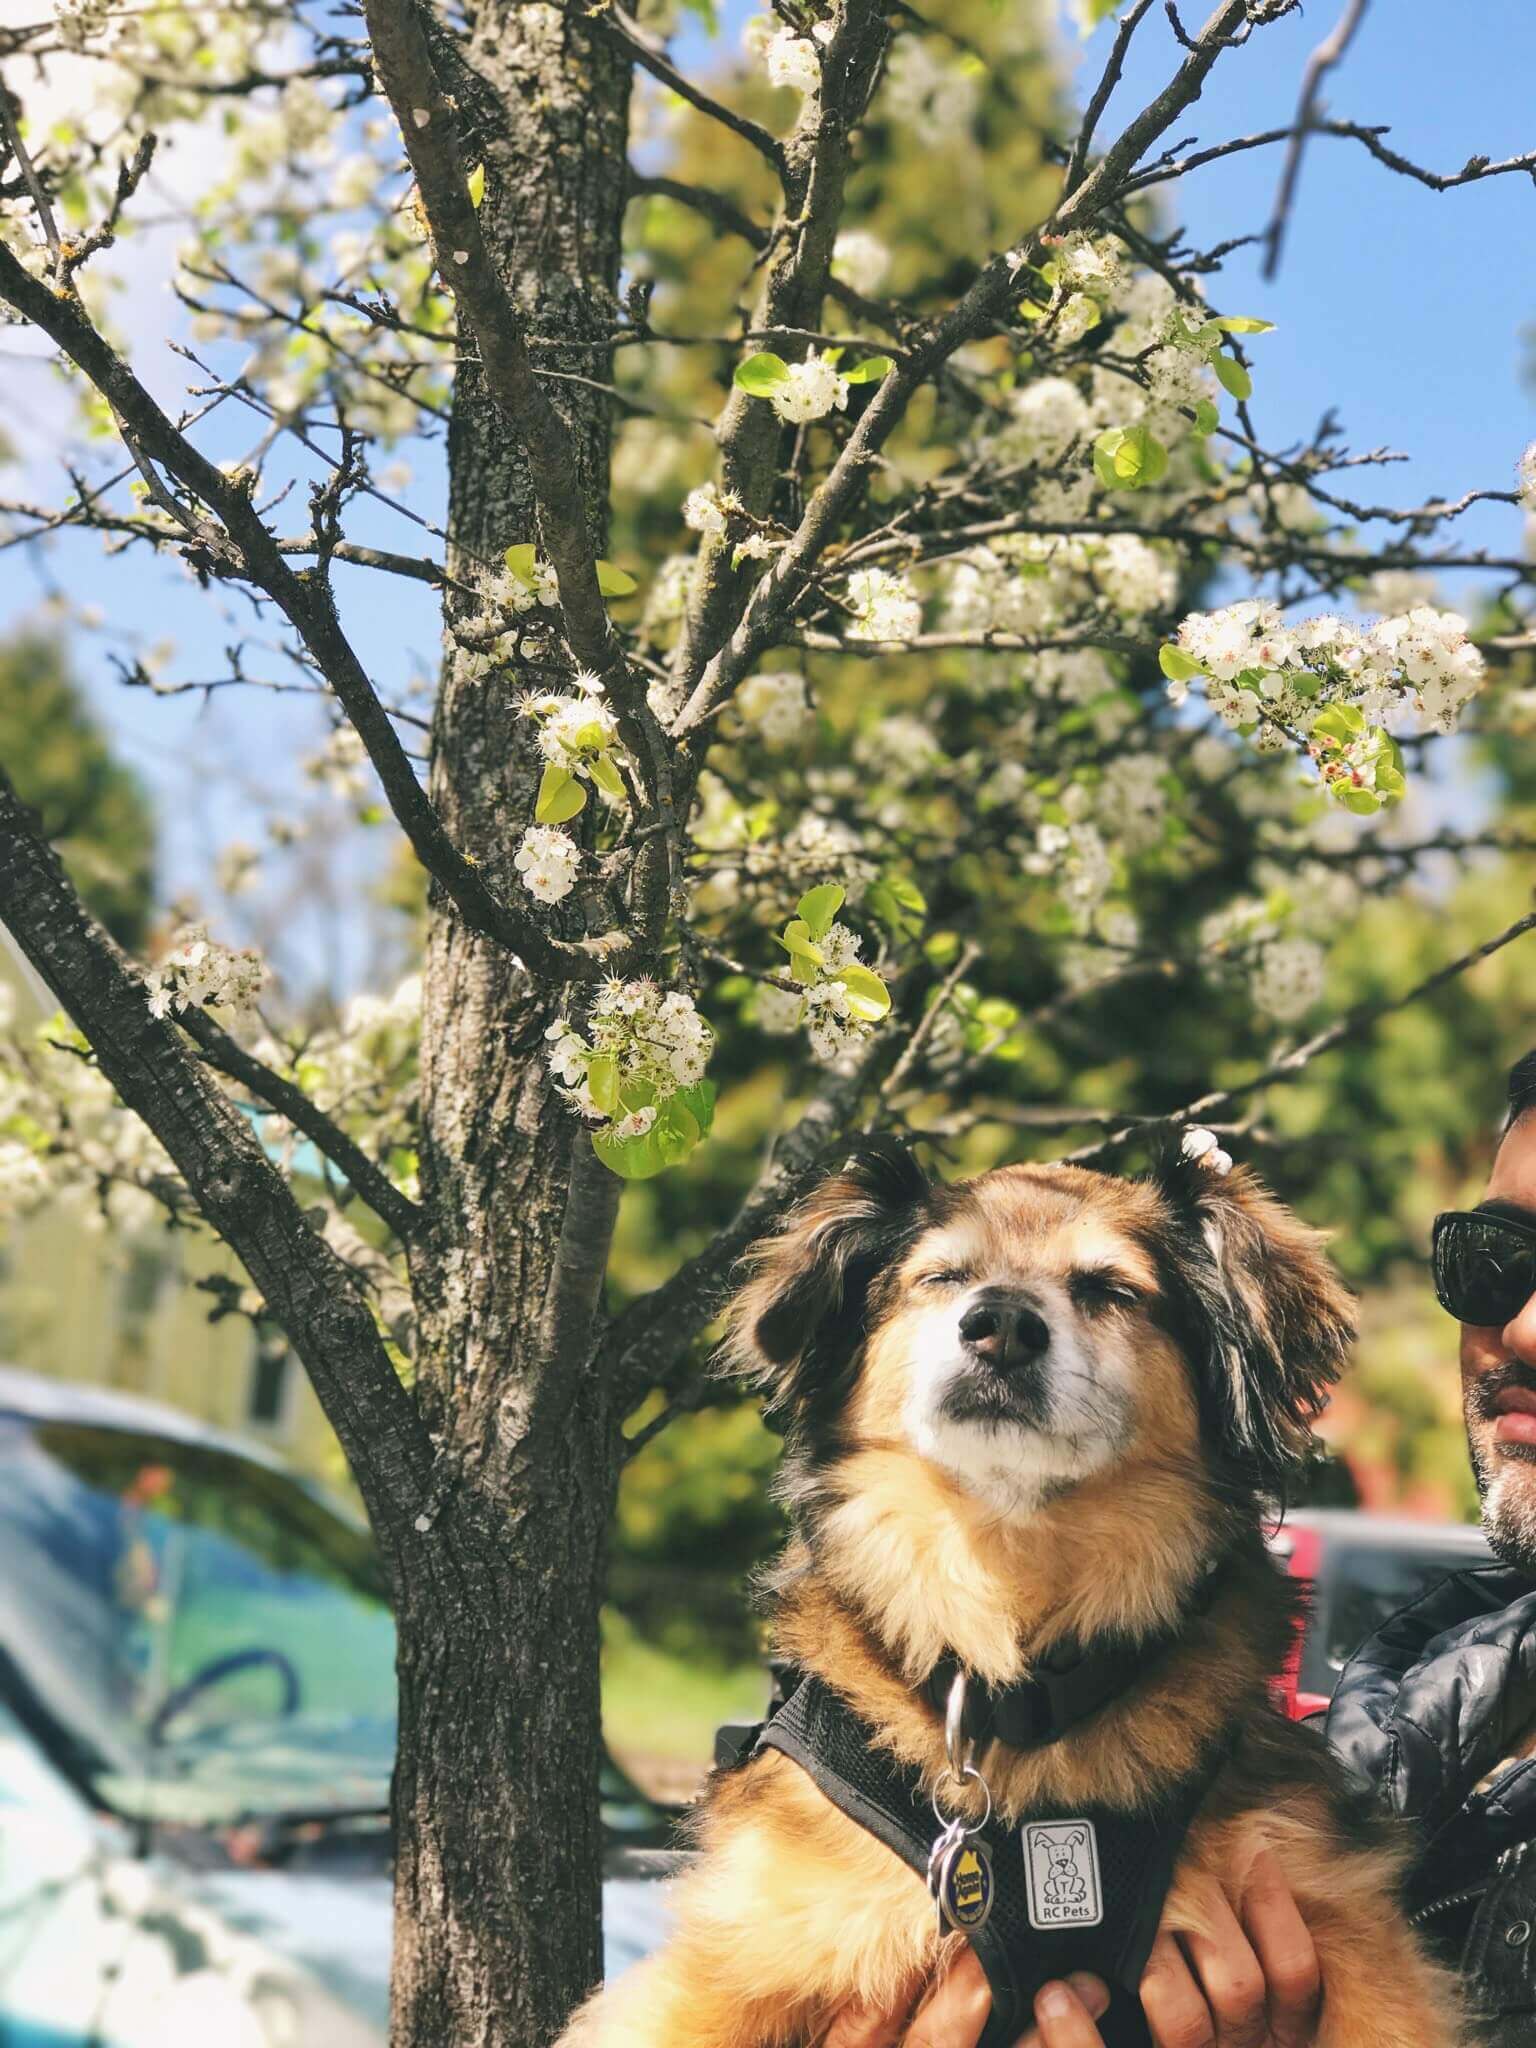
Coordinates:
[812,389]
[885,607]
[703,511]
[934,101]
[792,60]
[1046,417]
[1287,979]
[860,260]
[548,861]
[774,703]
[1525,478]
[198,972]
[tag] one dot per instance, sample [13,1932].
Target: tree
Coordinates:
[900,740]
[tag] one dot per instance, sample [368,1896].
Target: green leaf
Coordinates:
[1207,418]
[761,375]
[1176,664]
[1339,722]
[868,996]
[1237,323]
[700,1099]
[608,779]
[1361,801]
[520,561]
[899,905]
[1128,458]
[819,906]
[676,1130]
[561,796]
[870,371]
[1232,377]
[477,186]
[613,581]
[603,1082]
[630,1158]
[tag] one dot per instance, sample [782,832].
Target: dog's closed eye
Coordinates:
[1095,1289]
[945,1276]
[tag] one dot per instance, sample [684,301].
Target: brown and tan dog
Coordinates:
[1036,1407]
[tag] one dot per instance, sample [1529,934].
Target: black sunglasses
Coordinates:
[1484,1266]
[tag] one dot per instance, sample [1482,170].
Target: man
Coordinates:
[1437,1713]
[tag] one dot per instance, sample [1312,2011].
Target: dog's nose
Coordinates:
[1005,1329]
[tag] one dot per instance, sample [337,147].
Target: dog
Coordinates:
[1029,1416]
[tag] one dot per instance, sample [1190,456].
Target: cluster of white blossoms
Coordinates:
[641,1041]
[828,1009]
[774,704]
[65,1133]
[1283,970]
[884,606]
[810,391]
[548,860]
[199,973]
[1330,682]
[1076,858]
[926,98]
[488,637]
[860,260]
[792,59]
[1525,478]
[704,511]
[1288,978]
[578,734]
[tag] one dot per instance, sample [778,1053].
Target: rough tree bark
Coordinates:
[495,1794]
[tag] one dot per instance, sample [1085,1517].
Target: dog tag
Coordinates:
[1061,1874]
[963,1885]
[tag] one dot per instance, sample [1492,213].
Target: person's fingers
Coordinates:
[1086,1998]
[869,2026]
[956,2010]
[1286,1952]
[1173,2002]
[1065,2011]
[1229,1974]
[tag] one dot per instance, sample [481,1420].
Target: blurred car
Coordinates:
[197,1728]
[1357,1569]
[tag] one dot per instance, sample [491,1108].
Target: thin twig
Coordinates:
[1328,53]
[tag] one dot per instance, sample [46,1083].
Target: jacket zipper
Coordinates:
[1509,1859]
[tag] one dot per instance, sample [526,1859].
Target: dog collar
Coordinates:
[1070,1684]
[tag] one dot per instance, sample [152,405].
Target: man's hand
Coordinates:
[953,2013]
[1253,1983]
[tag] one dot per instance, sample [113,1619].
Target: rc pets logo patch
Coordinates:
[1061,1869]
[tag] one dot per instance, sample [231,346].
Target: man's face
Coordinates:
[1498,1378]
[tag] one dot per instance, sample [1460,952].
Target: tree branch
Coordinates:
[1351,1025]
[1328,53]
[368,1180]
[309,1290]
[245,548]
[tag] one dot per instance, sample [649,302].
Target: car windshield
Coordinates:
[196,1636]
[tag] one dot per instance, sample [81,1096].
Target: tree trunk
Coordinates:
[497,1881]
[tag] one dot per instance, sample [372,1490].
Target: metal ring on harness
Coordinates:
[945,1820]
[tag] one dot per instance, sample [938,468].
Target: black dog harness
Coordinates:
[1078,1890]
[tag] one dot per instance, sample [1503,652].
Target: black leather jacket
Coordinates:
[1426,1713]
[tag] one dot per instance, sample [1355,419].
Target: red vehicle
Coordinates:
[1357,1570]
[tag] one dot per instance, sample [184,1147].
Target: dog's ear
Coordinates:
[794,1328]
[1270,1320]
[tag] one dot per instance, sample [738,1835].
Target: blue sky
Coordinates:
[1399,308]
